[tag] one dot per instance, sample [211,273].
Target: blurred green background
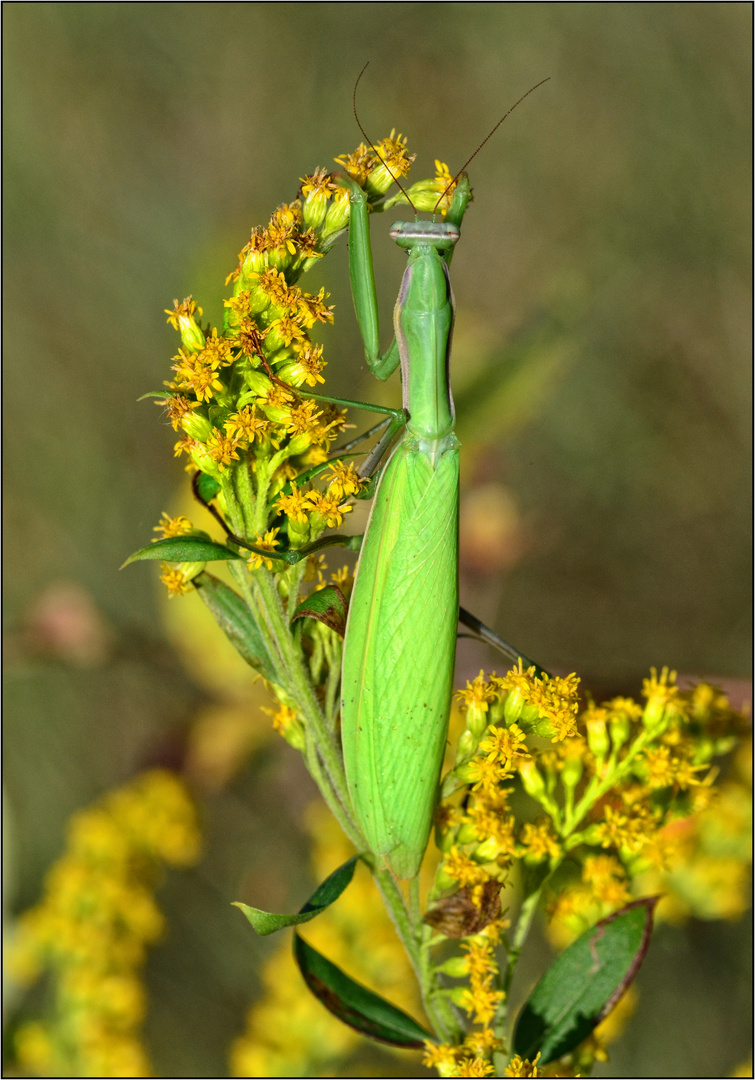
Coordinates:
[601,368]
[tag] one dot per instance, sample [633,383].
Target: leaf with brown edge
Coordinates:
[327,605]
[584,983]
[459,916]
[354,1004]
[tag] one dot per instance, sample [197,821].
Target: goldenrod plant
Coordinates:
[552,802]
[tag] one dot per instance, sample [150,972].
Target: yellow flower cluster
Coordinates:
[234,395]
[701,864]
[236,392]
[91,930]
[375,170]
[599,783]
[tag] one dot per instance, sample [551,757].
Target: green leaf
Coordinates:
[237,623]
[354,1004]
[207,487]
[583,985]
[324,895]
[183,549]
[327,605]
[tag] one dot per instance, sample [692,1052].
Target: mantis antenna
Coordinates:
[488,136]
[469,159]
[369,140]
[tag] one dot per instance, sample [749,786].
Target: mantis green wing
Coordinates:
[398,671]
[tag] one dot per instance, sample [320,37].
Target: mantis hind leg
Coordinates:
[484,633]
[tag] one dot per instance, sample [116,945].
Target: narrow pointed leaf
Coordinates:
[237,623]
[164,394]
[264,922]
[354,1004]
[183,549]
[327,605]
[582,986]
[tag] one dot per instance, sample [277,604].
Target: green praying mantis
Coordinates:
[400,644]
[399,648]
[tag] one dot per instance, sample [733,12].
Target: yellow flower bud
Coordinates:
[182,317]
[294,735]
[487,851]
[424,195]
[274,339]
[192,336]
[467,833]
[280,258]
[337,217]
[477,720]
[258,383]
[196,425]
[254,263]
[445,838]
[512,706]
[619,725]
[298,532]
[300,443]
[531,719]
[465,773]
[456,967]
[203,461]
[259,301]
[458,995]
[190,570]
[315,207]
[597,736]
[444,881]
[466,746]
[571,773]
[532,780]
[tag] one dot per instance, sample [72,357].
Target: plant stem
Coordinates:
[597,786]
[298,682]
[524,922]
[322,753]
[322,780]
[437,1006]
[264,600]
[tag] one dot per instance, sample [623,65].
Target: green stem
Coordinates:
[298,681]
[437,1006]
[397,909]
[322,751]
[234,510]
[404,918]
[322,780]
[524,922]
[244,492]
[262,597]
[597,787]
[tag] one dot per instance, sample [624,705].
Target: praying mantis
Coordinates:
[400,640]
[398,653]
[398,658]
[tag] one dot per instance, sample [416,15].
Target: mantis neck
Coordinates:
[423,320]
